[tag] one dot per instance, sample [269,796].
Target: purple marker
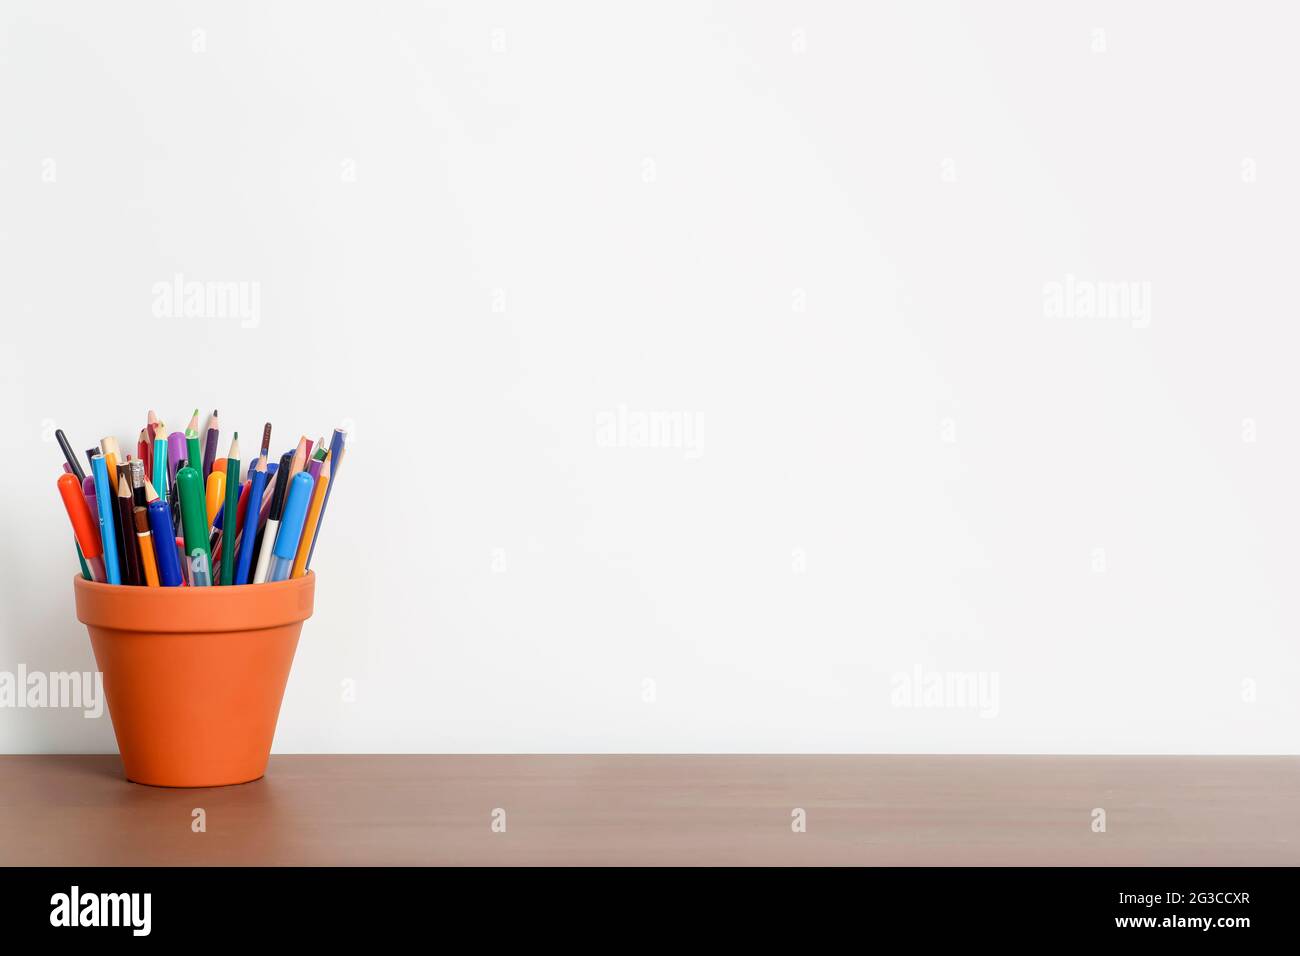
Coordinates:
[175,452]
[88,489]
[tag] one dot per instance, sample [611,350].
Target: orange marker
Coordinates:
[216,494]
[313,518]
[83,526]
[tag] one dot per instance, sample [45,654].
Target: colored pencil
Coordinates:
[248,536]
[338,442]
[129,549]
[159,473]
[105,502]
[210,443]
[144,540]
[192,450]
[229,520]
[112,457]
[313,517]
[299,456]
[137,482]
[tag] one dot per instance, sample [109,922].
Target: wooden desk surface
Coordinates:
[652,810]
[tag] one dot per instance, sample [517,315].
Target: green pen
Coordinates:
[194,525]
[232,509]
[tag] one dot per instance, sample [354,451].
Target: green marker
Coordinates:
[194,525]
[191,448]
[232,509]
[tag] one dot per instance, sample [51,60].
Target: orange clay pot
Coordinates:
[194,676]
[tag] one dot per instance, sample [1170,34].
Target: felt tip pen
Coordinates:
[69,454]
[175,452]
[160,523]
[83,525]
[291,522]
[200,573]
[216,494]
[194,524]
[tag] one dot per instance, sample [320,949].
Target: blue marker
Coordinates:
[248,536]
[164,539]
[291,522]
[104,499]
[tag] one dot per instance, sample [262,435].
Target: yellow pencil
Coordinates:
[313,518]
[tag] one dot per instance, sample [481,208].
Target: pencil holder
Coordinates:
[194,676]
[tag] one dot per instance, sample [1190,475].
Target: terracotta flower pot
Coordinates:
[194,676]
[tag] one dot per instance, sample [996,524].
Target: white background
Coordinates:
[478,226]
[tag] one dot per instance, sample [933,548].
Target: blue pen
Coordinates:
[164,539]
[248,536]
[104,499]
[291,522]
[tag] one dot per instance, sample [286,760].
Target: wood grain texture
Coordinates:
[662,810]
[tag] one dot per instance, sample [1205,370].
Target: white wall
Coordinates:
[822,233]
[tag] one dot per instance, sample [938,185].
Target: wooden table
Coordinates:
[651,810]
